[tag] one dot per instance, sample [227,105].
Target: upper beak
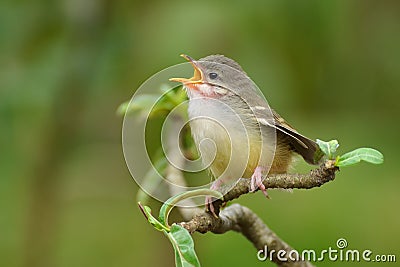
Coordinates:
[197,76]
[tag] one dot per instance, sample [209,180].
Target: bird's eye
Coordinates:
[212,75]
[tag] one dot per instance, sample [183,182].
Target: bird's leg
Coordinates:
[256,181]
[209,200]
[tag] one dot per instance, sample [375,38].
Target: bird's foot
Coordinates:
[256,181]
[209,200]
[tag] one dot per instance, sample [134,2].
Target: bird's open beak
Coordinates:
[197,76]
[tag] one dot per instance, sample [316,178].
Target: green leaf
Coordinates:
[122,108]
[140,102]
[328,148]
[176,95]
[183,244]
[181,240]
[172,201]
[366,154]
[154,104]
[151,219]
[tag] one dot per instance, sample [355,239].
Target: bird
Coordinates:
[235,131]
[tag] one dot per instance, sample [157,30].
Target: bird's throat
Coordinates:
[204,90]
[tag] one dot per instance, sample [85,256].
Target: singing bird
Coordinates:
[237,134]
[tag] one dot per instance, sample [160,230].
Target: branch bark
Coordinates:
[315,178]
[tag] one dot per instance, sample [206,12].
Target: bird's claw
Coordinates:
[210,206]
[209,200]
[257,182]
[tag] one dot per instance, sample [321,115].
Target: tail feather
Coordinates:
[302,145]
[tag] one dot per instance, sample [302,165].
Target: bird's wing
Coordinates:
[302,145]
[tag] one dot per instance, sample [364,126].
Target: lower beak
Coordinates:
[197,76]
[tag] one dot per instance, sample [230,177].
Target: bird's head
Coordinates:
[215,76]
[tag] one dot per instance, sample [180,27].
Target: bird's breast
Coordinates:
[227,142]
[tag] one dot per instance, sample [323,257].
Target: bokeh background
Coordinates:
[331,68]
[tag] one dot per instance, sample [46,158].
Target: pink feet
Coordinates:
[209,200]
[256,181]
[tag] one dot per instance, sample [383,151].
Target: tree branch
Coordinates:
[243,220]
[317,177]
[326,172]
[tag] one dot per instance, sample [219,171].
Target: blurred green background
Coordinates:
[331,68]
